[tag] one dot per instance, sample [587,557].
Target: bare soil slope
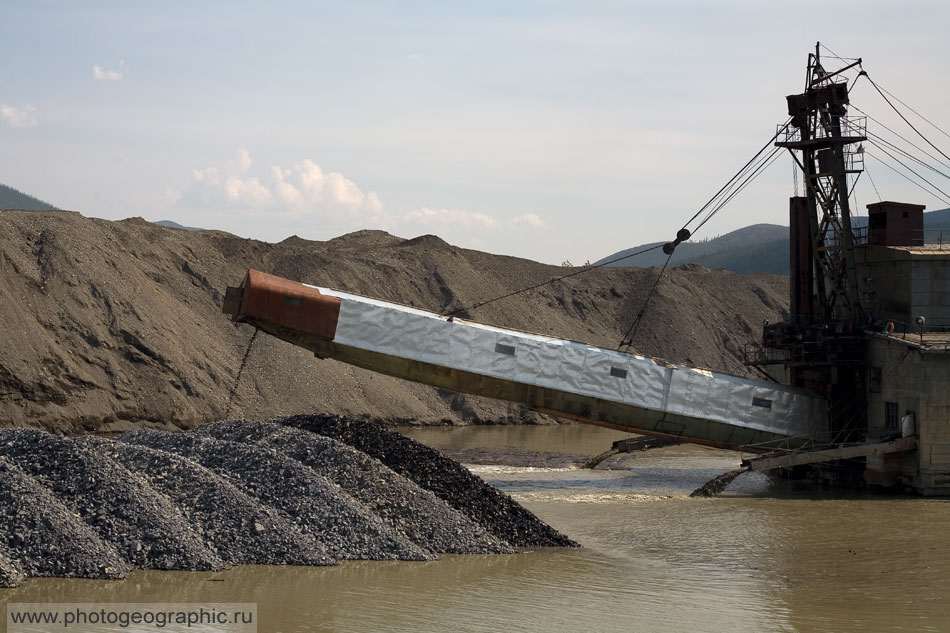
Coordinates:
[109,325]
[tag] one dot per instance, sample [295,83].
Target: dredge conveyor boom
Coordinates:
[556,376]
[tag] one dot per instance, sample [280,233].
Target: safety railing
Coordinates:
[932,239]
[851,128]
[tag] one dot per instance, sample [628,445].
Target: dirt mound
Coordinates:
[495,511]
[112,325]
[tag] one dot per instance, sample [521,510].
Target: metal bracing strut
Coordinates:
[823,134]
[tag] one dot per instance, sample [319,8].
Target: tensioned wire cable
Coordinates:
[748,172]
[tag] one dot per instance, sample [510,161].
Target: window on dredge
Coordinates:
[891,417]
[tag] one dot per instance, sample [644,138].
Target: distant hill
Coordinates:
[738,241]
[10,198]
[937,220]
[760,248]
[176,225]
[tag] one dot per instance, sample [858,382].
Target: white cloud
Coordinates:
[171,196]
[414,57]
[442,218]
[250,192]
[27,116]
[298,191]
[529,219]
[306,185]
[242,162]
[305,195]
[429,217]
[101,74]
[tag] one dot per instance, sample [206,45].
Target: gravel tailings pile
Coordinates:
[495,511]
[236,526]
[10,575]
[319,507]
[142,525]
[402,504]
[270,494]
[41,537]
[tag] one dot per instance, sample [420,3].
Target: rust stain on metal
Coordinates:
[285,303]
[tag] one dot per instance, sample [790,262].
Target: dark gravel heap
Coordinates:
[10,574]
[495,511]
[236,526]
[320,508]
[427,520]
[143,525]
[39,536]
[268,494]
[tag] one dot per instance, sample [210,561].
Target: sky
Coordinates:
[548,130]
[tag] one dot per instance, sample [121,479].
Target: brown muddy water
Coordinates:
[766,556]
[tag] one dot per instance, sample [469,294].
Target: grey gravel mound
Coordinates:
[236,526]
[402,504]
[345,527]
[495,511]
[39,536]
[143,526]
[10,573]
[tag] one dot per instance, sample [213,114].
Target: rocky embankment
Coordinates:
[307,490]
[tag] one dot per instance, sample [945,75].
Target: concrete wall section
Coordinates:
[930,291]
[901,284]
[934,428]
[913,380]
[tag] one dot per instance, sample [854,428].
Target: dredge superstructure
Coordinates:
[861,369]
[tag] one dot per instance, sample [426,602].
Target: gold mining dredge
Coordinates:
[860,389]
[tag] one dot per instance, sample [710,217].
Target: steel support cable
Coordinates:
[874,137]
[729,184]
[911,181]
[240,372]
[901,115]
[835,55]
[896,98]
[581,271]
[901,137]
[879,198]
[631,332]
[736,186]
[739,173]
[852,194]
[945,197]
[733,189]
[763,165]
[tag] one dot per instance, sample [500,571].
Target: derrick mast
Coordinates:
[824,137]
[821,345]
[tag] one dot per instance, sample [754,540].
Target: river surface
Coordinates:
[766,556]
